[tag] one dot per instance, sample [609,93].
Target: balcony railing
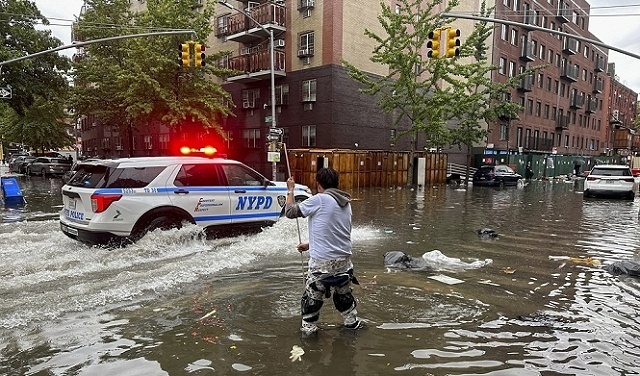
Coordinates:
[598,85]
[265,14]
[256,65]
[600,65]
[526,83]
[562,123]
[528,51]
[563,13]
[577,101]
[570,72]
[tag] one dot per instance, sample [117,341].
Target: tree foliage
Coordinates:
[39,85]
[138,82]
[448,99]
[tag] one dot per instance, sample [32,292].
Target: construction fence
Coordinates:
[368,168]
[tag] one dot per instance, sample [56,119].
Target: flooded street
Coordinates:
[171,304]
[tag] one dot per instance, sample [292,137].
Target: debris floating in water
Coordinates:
[213,312]
[296,353]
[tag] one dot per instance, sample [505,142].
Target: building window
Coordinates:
[503,132]
[163,141]
[543,50]
[540,80]
[504,32]
[548,83]
[512,68]
[530,106]
[148,142]
[282,95]
[307,45]
[249,97]
[309,91]
[502,65]
[553,113]
[538,109]
[308,135]
[527,139]
[519,137]
[514,37]
[251,138]
[546,111]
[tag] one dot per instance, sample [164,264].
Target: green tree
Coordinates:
[138,82]
[447,99]
[39,85]
[479,99]
[409,90]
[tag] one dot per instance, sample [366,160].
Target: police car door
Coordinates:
[200,191]
[251,201]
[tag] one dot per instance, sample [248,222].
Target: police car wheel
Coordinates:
[162,223]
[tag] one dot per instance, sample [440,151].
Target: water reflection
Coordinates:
[539,308]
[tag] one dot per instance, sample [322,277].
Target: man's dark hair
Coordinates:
[327,178]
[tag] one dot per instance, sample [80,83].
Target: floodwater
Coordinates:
[172,304]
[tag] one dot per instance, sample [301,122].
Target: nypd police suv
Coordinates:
[115,201]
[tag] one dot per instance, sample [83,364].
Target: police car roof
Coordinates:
[155,161]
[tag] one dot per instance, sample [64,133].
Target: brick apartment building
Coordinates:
[569,105]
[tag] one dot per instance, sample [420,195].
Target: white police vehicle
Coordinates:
[115,201]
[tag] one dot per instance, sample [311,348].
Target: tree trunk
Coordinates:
[467,177]
[410,165]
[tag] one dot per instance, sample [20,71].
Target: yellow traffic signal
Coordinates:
[184,56]
[199,55]
[434,44]
[452,45]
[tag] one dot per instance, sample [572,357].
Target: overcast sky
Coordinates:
[616,25]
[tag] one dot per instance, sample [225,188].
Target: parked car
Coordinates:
[498,175]
[610,180]
[19,164]
[48,166]
[116,201]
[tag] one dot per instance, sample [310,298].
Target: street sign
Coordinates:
[273,156]
[273,137]
[6,93]
[268,119]
[276,131]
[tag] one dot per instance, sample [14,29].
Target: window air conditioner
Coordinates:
[118,147]
[245,50]
[303,52]
[278,43]
[248,104]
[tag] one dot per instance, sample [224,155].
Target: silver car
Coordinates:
[48,166]
[610,180]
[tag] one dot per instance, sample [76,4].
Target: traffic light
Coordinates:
[184,58]
[199,55]
[452,46]
[434,44]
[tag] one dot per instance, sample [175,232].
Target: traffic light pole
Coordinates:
[538,28]
[80,44]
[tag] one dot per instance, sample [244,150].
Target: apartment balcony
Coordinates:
[598,85]
[569,72]
[600,65]
[592,105]
[528,51]
[577,101]
[562,123]
[526,83]
[570,46]
[530,18]
[563,13]
[239,28]
[539,144]
[256,66]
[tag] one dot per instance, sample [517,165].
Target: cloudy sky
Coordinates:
[616,25]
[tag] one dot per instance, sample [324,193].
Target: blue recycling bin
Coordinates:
[11,192]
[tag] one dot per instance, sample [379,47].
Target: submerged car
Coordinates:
[117,201]
[610,180]
[498,175]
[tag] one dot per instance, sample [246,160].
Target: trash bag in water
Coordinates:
[436,260]
[401,260]
[627,267]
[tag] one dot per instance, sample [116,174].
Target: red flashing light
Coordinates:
[207,150]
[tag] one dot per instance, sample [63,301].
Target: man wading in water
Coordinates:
[330,267]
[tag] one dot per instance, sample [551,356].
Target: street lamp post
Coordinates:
[272,68]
